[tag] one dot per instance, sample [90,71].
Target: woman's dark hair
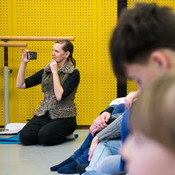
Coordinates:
[68,46]
[140,31]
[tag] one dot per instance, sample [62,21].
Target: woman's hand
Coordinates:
[53,66]
[58,89]
[94,144]
[20,81]
[24,56]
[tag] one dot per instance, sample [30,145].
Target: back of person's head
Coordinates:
[140,31]
[68,46]
[153,114]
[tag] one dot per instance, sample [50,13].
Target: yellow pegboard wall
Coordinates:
[77,18]
[131,86]
[54,18]
[107,84]
[169,3]
[91,23]
[130,3]
[6,28]
[2,86]
[26,101]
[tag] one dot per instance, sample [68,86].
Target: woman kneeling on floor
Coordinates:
[55,120]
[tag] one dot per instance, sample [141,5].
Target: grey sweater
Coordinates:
[113,130]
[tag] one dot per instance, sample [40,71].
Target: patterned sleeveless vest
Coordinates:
[57,109]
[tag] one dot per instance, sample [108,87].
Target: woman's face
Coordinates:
[145,156]
[58,54]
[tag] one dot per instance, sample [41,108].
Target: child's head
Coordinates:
[150,149]
[143,43]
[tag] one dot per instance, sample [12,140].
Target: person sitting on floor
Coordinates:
[142,49]
[108,123]
[55,120]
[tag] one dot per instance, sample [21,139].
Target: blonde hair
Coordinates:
[153,114]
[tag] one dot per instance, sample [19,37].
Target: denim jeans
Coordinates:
[109,165]
[95,173]
[81,155]
[103,150]
[125,130]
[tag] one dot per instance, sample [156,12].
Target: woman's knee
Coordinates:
[27,139]
[47,138]
[44,137]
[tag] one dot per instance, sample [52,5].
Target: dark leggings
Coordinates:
[46,131]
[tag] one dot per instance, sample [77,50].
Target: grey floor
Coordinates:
[36,160]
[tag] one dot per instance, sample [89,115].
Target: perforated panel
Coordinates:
[58,18]
[107,84]
[169,3]
[130,3]
[5,25]
[91,23]
[1,87]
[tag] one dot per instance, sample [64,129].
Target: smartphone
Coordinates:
[31,55]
